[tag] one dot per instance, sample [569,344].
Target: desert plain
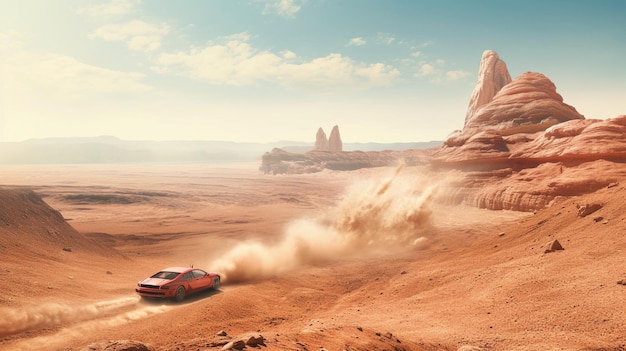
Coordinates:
[368,259]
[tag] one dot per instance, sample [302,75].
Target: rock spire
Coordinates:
[332,144]
[492,76]
[321,142]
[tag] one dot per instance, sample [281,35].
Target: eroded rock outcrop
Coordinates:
[504,126]
[528,104]
[530,188]
[334,141]
[321,142]
[525,146]
[332,144]
[493,75]
[279,161]
[329,154]
[581,140]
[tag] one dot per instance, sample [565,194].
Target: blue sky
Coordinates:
[265,70]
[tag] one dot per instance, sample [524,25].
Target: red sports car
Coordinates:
[177,282]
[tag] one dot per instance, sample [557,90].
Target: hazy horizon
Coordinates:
[113,138]
[277,70]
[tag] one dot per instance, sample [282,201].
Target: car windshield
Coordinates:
[166,275]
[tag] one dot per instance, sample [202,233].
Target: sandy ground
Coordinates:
[362,260]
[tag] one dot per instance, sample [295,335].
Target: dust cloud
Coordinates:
[373,216]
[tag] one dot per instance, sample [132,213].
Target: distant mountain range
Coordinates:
[108,149]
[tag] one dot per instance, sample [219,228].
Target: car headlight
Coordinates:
[165,287]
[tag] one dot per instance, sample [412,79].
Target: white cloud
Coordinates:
[232,60]
[426,69]
[34,74]
[437,72]
[416,54]
[111,8]
[138,35]
[285,8]
[386,38]
[454,75]
[357,41]
[289,55]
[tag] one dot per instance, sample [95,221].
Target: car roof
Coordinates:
[177,269]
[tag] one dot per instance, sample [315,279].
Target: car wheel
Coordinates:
[180,293]
[216,283]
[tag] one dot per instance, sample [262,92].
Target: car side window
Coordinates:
[198,273]
[188,276]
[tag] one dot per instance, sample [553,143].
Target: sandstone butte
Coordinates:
[520,148]
[525,147]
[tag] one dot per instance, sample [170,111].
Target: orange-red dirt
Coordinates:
[458,278]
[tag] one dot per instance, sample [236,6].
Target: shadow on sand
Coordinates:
[188,299]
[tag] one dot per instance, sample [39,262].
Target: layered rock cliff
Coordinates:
[524,146]
[279,161]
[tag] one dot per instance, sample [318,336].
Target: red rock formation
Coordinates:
[531,188]
[503,126]
[525,147]
[279,161]
[579,140]
[521,147]
[321,142]
[334,141]
[528,104]
[492,76]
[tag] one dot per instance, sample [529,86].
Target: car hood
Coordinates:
[154,281]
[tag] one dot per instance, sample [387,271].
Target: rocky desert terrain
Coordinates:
[399,275]
[509,236]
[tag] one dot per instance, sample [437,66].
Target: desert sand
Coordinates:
[360,260]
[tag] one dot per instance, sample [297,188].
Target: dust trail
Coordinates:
[80,330]
[373,216]
[14,321]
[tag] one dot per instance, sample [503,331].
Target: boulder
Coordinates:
[255,340]
[118,345]
[235,345]
[554,245]
[585,210]
[469,348]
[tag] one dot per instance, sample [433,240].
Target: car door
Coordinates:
[189,281]
[202,281]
